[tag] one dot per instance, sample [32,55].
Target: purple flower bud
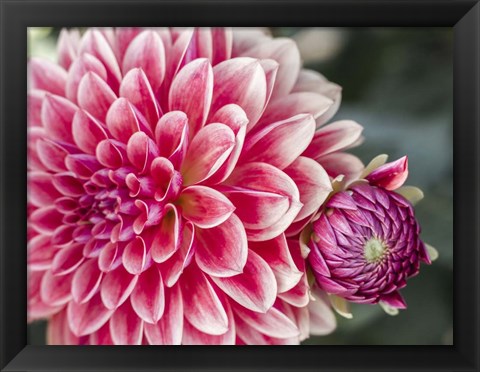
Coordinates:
[365,245]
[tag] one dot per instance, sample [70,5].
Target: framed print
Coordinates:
[178,177]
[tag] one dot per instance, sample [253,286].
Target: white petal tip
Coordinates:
[392,311]
[432,252]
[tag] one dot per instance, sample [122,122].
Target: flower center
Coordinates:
[375,250]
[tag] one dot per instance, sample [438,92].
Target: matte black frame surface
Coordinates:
[17,15]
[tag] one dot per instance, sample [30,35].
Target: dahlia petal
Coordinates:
[57,116]
[255,288]
[298,295]
[35,135]
[313,184]
[394,299]
[271,69]
[391,175]
[196,78]
[341,306]
[207,152]
[322,319]
[87,132]
[88,317]
[40,253]
[51,155]
[34,107]
[304,102]
[342,200]
[46,75]
[67,47]
[245,38]
[200,45]
[136,88]
[67,184]
[286,53]
[126,328]
[333,137]
[67,259]
[146,51]
[250,336]
[342,164]
[45,220]
[80,67]
[38,309]
[58,332]
[280,143]
[205,207]
[202,307]
[312,81]
[95,96]
[168,234]
[222,250]
[222,39]
[141,150]
[171,134]
[41,191]
[277,255]
[174,267]
[376,162]
[241,81]
[110,257]
[134,256]
[86,281]
[83,166]
[168,330]
[121,120]
[94,43]
[234,117]
[123,37]
[272,323]
[101,336]
[55,290]
[192,336]
[116,287]
[111,153]
[148,297]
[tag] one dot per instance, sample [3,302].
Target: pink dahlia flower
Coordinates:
[164,168]
[365,242]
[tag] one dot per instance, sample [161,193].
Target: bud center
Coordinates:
[374,250]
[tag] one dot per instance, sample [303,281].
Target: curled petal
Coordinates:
[134,256]
[147,52]
[391,175]
[83,166]
[148,297]
[111,153]
[46,75]
[202,307]
[55,290]
[204,206]
[126,328]
[222,250]
[141,150]
[169,328]
[255,288]
[40,253]
[51,155]
[191,92]
[167,238]
[207,152]
[280,143]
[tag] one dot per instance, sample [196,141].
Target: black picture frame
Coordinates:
[17,15]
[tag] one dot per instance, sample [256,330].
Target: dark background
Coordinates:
[397,83]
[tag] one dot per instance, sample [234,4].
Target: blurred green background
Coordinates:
[397,83]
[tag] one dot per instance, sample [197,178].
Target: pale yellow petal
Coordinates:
[388,309]
[341,306]
[432,252]
[374,164]
[411,193]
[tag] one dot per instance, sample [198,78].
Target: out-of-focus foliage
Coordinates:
[397,83]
